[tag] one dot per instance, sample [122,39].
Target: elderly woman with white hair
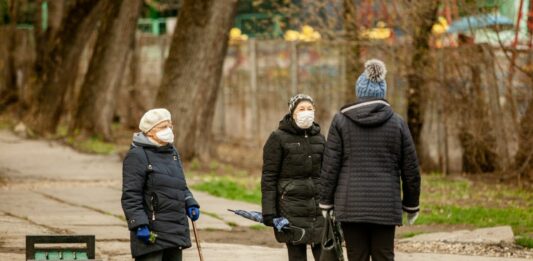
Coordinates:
[155,196]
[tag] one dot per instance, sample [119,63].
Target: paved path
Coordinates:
[47,188]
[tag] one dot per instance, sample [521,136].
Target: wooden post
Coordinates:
[294,68]
[252,43]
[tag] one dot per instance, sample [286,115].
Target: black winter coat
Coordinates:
[292,159]
[155,193]
[369,150]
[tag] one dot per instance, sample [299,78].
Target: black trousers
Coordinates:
[299,252]
[169,254]
[364,240]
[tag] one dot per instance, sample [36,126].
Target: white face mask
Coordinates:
[305,119]
[165,135]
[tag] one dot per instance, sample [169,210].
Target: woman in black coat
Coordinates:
[370,171]
[292,159]
[155,196]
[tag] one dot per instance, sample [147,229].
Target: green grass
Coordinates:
[229,188]
[259,227]
[92,145]
[459,201]
[213,215]
[525,241]
[520,219]
[411,234]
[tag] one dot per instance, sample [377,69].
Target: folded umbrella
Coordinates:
[282,224]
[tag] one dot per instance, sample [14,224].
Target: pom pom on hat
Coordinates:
[153,117]
[375,70]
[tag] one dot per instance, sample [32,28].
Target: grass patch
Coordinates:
[213,215]
[520,219]
[229,188]
[92,145]
[411,234]
[525,241]
[259,227]
[459,201]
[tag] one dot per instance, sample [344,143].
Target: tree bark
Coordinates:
[193,70]
[96,103]
[61,54]
[353,50]
[8,90]
[524,156]
[425,15]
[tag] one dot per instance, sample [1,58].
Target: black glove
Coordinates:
[268,220]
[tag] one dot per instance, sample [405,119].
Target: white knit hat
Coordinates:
[152,118]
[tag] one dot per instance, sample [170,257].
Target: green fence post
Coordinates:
[44,15]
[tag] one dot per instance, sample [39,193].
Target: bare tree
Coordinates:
[351,59]
[193,71]
[524,156]
[8,89]
[116,33]
[58,55]
[423,17]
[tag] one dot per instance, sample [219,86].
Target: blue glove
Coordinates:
[143,234]
[193,213]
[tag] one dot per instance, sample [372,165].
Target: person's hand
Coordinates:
[325,209]
[411,217]
[268,220]
[193,213]
[143,234]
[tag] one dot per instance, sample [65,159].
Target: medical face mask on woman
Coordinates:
[304,119]
[165,135]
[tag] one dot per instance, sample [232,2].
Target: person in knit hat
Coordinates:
[292,156]
[369,160]
[155,197]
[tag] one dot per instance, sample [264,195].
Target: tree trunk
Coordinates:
[8,89]
[524,156]
[56,67]
[193,71]
[478,144]
[425,15]
[351,59]
[96,103]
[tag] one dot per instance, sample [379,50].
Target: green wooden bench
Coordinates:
[62,251]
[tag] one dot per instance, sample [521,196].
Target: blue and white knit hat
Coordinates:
[371,83]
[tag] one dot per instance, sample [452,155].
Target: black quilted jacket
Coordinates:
[369,158]
[292,159]
[155,193]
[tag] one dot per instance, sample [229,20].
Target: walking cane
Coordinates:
[197,241]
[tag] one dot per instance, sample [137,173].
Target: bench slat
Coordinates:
[81,256]
[40,256]
[68,255]
[54,255]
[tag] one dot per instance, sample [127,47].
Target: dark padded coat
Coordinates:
[155,193]
[292,160]
[369,158]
